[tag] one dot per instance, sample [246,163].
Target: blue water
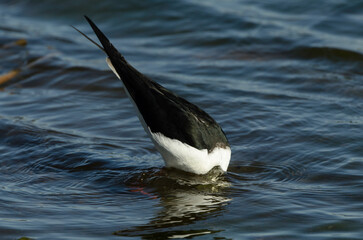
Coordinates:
[283,79]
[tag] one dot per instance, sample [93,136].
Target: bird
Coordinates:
[187,138]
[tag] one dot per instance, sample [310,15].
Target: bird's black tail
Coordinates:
[110,50]
[132,79]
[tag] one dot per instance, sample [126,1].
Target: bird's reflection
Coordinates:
[184,199]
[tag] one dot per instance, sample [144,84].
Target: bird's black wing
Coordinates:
[162,110]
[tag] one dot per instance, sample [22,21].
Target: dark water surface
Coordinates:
[283,78]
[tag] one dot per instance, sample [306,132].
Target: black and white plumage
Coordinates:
[187,137]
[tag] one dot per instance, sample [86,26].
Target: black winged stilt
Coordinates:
[186,137]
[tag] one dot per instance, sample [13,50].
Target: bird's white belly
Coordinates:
[190,159]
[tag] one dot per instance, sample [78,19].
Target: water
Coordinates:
[283,79]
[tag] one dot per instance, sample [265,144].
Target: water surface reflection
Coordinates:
[184,199]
